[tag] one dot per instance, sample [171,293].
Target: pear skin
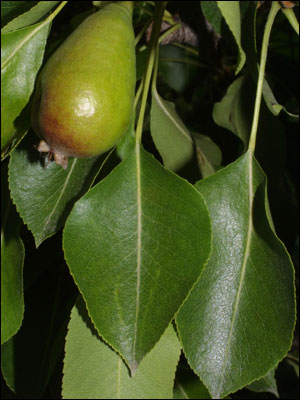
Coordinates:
[83,102]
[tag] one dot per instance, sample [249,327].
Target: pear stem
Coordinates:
[261,76]
[158,16]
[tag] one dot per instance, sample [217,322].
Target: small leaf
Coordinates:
[30,17]
[208,153]
[238,321]
[265,384]
[231,111]
[11,9]
[44,195]
[249,44]
[93,370]
[171,137]
[135,245]
[231,13]
[213,14]
[177,67]
[22,53]
[12,260]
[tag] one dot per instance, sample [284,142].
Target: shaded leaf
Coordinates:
[177,67]
[213,14]
[135,245]
[12,259]
[45,194]
[265,384]
[238,321]
[232,112]
[30,17]
[22,53]
[208,153]
[29,358]
[171,137]
[249,44]
[231,13]
[11,9]
[93,370]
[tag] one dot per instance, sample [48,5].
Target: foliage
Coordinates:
[167,267]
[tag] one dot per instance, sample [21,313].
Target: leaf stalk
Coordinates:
[275,7]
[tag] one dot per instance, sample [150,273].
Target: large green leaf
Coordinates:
[92,370]
[171,137]
[45,193]
[238,321]
[12,259]
[135,244]
[22,53]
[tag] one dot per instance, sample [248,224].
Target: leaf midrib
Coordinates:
[157,97]
[138,248]
[243,268]
[58,199]
[23,42]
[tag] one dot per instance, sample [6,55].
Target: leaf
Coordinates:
[171,137]
[135,245]
[249,44]
[238,321]
[22,53]
[208,153]
[177,67]
[191,388]
[44,195]
[265,384]
[30,17]
[11,9]
[232,111]
[30,357]
[213,14]
[12,260]
[93,370]
[231,13]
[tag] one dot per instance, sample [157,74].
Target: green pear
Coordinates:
[83,102]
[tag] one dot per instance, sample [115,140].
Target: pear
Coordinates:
[83,102]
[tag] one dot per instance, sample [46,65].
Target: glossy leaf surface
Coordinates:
[135,244]
[238,321]
[93,370]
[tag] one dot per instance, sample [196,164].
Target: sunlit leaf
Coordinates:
[238,321]
[92,370]
[135,244]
